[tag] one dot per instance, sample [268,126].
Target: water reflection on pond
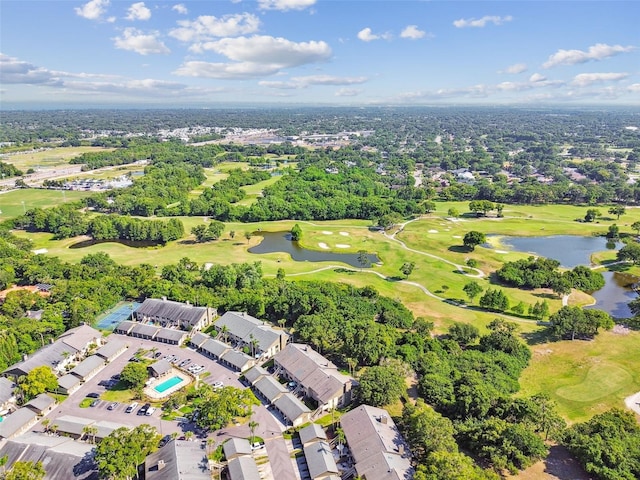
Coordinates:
[571,251]
[128,243]
[281,242]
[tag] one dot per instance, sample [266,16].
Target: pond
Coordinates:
[571,251]
[281,242]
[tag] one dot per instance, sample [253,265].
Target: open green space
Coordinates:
[50,157]
[11,203]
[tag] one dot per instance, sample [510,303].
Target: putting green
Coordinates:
[601,380]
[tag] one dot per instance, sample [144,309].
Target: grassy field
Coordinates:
[584,378]
[49,158]
[11,203]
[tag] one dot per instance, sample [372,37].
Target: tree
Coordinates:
[494,300]
[472,239]
[618,210]
[380,385]
[363,258]
[37,381]
[613,232]
[247,236]
[296,233]
[26,471]
[481,207]
[407,268]
[575,322]
[453,212]
[252,428]
[119,454]
[608,445]
[219,407]
[472,289]
[592,214]
[636,227]
[463,333]
[232,234]
[540,310]
[630,253]
[134,374]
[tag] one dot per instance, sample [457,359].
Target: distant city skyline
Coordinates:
[314,52]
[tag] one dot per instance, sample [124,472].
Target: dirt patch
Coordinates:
[342,245]
[559,465]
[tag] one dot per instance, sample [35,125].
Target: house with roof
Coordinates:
[178,460]
[67,384]
[292,409]
[243,468]
[254,373]
[170,336]
[75,427]
[378,449]
[320,460]
[88,368]
[42,404]
[112,349]
[242,330]
[235,447]
[312,433]
[268,388]
[159,368]
[69,347]
[198,339]
[17,423]
[7,395]
[237,360]
[317,378]
[213,348]
[176,315]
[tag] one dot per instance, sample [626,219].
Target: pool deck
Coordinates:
[151,392]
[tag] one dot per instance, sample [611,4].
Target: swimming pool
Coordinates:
[167,384]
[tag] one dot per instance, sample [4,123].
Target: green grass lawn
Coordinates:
[52,157]
[11,202]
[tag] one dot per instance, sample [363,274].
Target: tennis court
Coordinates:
[120,313]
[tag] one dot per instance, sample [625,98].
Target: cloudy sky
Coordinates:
[349,52]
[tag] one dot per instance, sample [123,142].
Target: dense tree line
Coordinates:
[540,272]
[9,170]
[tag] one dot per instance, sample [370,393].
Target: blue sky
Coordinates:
[360,52]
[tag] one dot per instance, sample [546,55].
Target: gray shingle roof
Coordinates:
[171,335]
[246,328]
[312,433]
[160,368]
[199,338]
[80,337]
[16,421]
[6,389]
[182,461]
[171,311]
[270,388]
[71,424]
[41,402]
[243,468]
[376,444]
[214,347]
[125,327]
[113,347]
[254,373]
[236,446]
[68,381]
[144,330]
[320,459]
[291,407]
[88,366]
[239,360]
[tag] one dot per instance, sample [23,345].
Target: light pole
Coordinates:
[24,208]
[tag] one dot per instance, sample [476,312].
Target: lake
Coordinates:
[274,242]
[128,243]
[571,251]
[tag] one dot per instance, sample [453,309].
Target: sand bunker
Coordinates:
[342,245]
[327,232]
[456,236]
[633,402]
[344,234]
[40,251]
[323,246]
[433,231]
[501,251]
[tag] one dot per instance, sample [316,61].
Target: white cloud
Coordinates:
[138,11]
[586,79]
[412,32]
[366,35]
[92,10]
[264,49]
[348,92]
[226,71]
[136,41]
[284,5]
[515,68]
[306,81]
[634,87]
[207,27]
[180,8]
[14,71]
[536,77]
[599,51]
[481,22]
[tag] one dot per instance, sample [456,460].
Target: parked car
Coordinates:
[131,407]
[93,395]
[157,355]
[95,402]
[184,363]
[112,406]
[257,445]
[217,385]
[150,411]
[144,408]
[175,360]
[164,440]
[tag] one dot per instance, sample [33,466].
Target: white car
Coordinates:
[217,385]
[150,411]
[197,370]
